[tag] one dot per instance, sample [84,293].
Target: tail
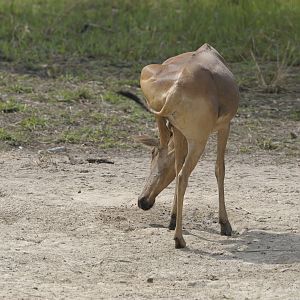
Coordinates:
[135,98]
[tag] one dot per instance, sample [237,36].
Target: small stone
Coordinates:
[150,280]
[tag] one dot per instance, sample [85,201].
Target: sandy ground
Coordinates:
[72,230]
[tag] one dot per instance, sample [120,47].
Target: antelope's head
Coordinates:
[162,170]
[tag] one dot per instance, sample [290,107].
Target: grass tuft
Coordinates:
[5,135]
[33,123]
[11,106]
[266,144]
[75,95]
[295,115]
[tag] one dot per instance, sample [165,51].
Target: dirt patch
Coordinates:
[70,229]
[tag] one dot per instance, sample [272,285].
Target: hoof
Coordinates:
[179,243]
[172,223]
[226,229]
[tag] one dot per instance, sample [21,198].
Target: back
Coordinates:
[185,69]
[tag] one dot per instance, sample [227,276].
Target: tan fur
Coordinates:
[196,93]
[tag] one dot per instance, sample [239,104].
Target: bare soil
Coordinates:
[72,230]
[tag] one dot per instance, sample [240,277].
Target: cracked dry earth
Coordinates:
[72,230]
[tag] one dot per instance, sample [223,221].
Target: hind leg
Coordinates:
[220,174]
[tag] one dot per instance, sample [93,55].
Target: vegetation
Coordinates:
[35,31]
[62,62]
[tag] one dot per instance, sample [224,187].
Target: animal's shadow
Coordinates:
[256,246]
[253,246]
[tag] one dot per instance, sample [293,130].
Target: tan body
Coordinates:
[196,93]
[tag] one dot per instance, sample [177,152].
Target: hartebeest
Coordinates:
[192,95]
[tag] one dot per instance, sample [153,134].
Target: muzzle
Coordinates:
[144,203]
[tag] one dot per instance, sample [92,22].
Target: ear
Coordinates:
[164,131]
[146,140]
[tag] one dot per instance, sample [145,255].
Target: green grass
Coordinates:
[62,62]
[107,137]
[20,89]
[33,123]
[73,95]
[35,32]
[5,135]
[295,115]
[11,106]
[245,149]
[80,135]
[113,98]
[266,144]
[12,137]
[67,110]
